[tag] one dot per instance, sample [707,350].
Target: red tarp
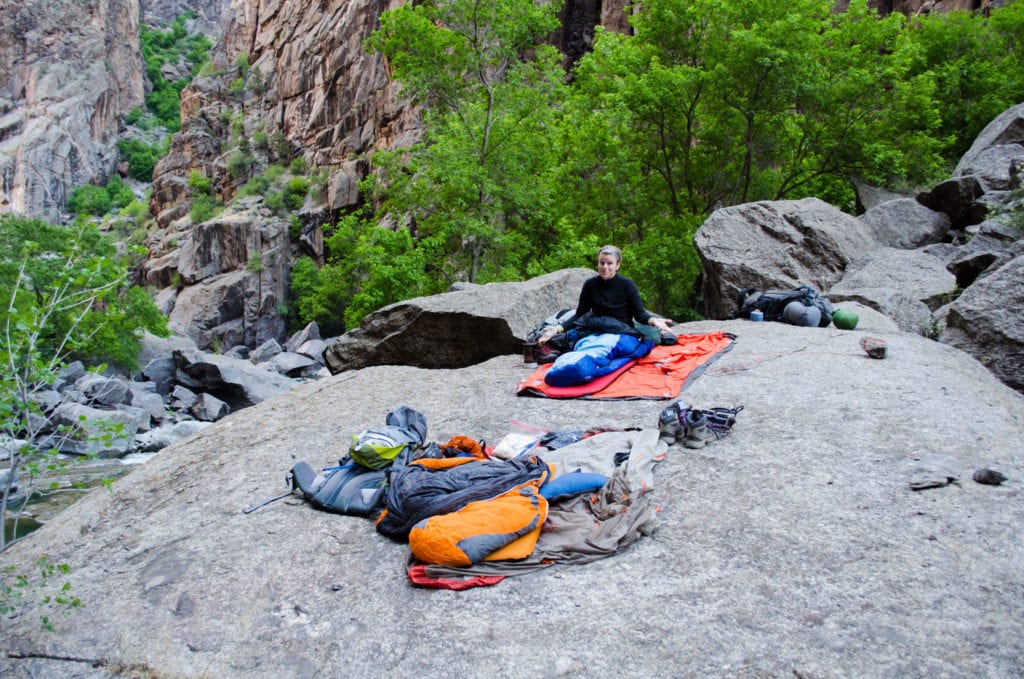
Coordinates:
[661,374]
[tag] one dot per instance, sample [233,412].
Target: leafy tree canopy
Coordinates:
[65,292]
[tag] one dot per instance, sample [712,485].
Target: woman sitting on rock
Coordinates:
[609,303]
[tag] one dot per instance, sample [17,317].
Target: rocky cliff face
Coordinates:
[207,14]
[311,88]
[68,71]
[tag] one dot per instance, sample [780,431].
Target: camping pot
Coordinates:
[528,356]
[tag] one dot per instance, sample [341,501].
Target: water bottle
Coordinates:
[756,315]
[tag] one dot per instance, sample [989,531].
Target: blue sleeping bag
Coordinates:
[594,356]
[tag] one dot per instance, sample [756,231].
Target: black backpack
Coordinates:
[773,303]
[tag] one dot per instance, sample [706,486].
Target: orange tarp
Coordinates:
[662,374]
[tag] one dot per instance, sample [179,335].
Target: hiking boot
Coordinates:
[669,426]
[545,353]
[696,429]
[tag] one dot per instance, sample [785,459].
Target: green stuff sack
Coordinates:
[377,448]
[844,319]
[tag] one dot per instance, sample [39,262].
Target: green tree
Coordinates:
[65,295]
[477,189]
[977,62]
[368,267]
[89,200]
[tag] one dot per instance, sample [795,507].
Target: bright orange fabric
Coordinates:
[661,374]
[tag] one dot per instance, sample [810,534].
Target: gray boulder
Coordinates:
[161,372]
[776,245]
[990,241]
[209,408]
[987,321]
[792,547]
[152,348]
[265,351]
[959,199]
[102,391]
[986,174]
[237,382]
[457,328]
[314,349]
[90,431]
[289,363]
[183,398]
[905,223]
[150,401]
[905,285]
[997,154]
[310,332]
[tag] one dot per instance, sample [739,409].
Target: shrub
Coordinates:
[203,207]
[257,186]
[89,200]
[239,164]
[120,194]
[200,183]
[141,158]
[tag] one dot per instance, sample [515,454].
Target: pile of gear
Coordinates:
[473,514]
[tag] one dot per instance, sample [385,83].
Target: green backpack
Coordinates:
[377,448]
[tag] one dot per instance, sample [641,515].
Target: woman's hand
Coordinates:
[548,333]
[662,324]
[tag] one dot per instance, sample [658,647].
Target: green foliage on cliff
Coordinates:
[174,46]
[708,103]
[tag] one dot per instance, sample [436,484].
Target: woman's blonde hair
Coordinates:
[610,250]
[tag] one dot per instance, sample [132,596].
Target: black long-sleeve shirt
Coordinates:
[617,297]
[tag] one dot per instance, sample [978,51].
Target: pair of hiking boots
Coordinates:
[675,423]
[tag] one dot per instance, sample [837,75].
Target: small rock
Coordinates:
[989,477]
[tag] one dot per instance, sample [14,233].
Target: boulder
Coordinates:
[959,199]
[987,321]
[265,351]
[457,328]
[990,241]
[776,245]
[162,372]
[144,395]
[996,157]
[993,165]
[183,398]
[211,310]
[237,382]
[794,546]
[313,348]
[208,408]
[152,347]
[289,363]
[905,223]
[310,332]
[102,391]
[905,285]
[89,430]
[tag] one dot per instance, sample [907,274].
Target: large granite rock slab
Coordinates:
[905,285]
[776,245]
[905,223]
[458,328]
[987,321]
[793,547]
